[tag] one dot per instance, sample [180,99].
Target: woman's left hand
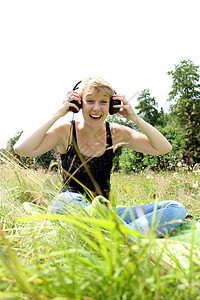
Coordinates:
[126,109]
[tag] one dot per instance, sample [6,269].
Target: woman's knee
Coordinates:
[64,202]
[176,209]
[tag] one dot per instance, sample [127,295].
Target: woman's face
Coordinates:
[95,106]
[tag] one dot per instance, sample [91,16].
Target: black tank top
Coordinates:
[89,176]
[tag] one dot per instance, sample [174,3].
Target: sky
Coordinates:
[47,46]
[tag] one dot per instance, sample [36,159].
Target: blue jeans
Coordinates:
[167,215]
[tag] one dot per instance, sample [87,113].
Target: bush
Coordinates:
[130,160]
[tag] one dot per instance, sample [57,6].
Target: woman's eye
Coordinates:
[92,101]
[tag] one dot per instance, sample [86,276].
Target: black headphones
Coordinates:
[112,110]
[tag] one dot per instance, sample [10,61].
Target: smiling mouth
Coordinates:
[95,117]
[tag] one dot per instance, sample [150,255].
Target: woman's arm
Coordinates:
[45,138]
[40,141]
[151,141]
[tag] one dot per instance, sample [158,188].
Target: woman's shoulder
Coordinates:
[115,127]
[63,129]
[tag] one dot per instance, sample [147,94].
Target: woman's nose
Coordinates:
[96,105]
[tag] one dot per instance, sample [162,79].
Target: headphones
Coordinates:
[112,110]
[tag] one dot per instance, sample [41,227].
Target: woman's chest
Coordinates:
[92,147]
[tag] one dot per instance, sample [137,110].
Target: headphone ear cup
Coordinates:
[73,109]
[113,110]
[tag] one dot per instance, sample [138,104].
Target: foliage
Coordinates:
[185,109]
[129,160]
[147,108]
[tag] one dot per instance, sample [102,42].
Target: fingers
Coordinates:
[122,98]
[73,102]
[73,96]
[124,103]
[125,109]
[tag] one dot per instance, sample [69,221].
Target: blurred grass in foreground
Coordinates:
[81,257]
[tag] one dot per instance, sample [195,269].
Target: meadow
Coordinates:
[80,256]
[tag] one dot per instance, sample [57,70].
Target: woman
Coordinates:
[87,149]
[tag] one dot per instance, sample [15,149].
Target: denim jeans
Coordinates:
[163,215]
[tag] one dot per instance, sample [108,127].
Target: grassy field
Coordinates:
[82,257]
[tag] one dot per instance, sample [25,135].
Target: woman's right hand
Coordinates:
[67,104]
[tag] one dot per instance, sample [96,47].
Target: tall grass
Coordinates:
[78,256]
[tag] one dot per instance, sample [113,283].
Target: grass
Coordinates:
[82,257]
[146,186]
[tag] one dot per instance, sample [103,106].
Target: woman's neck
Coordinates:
[91,141]
[91,132]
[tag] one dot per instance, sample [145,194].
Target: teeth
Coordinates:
[94,116]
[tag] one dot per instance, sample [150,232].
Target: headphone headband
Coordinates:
[76,86]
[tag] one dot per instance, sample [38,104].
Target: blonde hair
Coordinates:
[97,83]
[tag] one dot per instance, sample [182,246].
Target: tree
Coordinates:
[147,108]
[185,95]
